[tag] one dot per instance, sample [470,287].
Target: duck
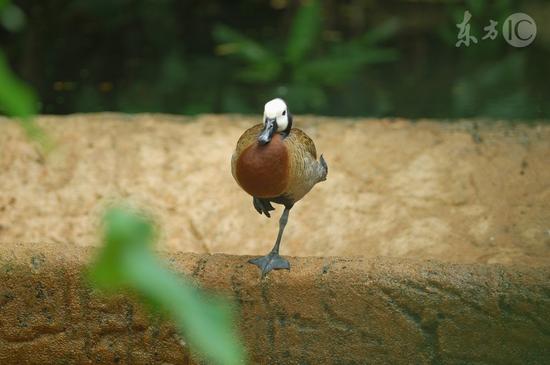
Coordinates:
[276,163]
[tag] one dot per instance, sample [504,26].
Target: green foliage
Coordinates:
[11,17]
[262,64]
[358,58]
[296,71]
[304,32]
[126,261]
[492,90]
[165,83]
[17,100]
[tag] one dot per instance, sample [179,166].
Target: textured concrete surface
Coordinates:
[325,311]
[446,191]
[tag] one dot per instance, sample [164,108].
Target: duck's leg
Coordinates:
[273,261]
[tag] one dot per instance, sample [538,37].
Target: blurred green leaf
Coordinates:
[127,262]
[383,32]
[17,100]
[337,68]
[260,72]
[344,60]
[12,17]
[304,96]
[304,32]
[494,90]
[124,233]
[235,43]
[262,64]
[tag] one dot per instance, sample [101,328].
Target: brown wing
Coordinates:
[298,138]
[304,167]
[247,138]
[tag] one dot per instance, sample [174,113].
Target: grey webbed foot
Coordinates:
[271,261]
[262,206]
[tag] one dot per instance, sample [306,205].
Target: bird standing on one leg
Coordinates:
[276,163]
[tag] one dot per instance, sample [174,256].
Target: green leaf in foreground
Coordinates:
[17,100]
[127,262]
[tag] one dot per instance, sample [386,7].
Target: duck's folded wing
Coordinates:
[297,137]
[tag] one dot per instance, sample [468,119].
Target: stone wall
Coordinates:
[324,311]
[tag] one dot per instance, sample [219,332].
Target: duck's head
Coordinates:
[276,119]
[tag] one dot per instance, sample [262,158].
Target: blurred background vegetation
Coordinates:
[348,58]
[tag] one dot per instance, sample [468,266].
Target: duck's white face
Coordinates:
[276,109]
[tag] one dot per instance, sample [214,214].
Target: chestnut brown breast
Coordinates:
[263,171]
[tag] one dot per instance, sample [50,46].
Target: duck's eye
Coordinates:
[284,112]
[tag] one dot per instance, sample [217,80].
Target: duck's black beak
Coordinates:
[270,126]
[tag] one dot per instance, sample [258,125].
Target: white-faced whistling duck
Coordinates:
[276,163]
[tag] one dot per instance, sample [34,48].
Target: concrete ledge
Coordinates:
[450,191]
[325,311]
